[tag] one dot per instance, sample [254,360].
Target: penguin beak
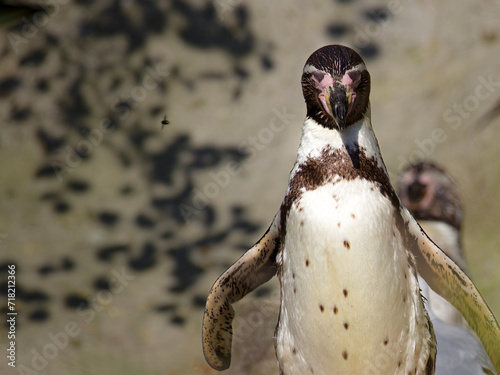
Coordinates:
[338,100]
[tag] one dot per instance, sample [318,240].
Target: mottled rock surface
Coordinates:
[119,226]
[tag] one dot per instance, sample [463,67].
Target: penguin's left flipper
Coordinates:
[254,268]
[449,281]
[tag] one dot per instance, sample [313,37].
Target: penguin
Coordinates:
[432,198]
[345,250]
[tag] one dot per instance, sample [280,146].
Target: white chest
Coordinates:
[350,301]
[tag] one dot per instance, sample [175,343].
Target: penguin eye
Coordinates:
[355,76]
[317,77]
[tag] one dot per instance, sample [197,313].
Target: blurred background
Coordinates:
[118,224]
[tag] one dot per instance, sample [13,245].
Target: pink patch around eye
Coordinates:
[325,81]
[346,80]
[351,79]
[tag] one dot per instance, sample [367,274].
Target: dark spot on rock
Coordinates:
[34,296]
[293,275]
[61,207]
[102,283]
[336,30]
[19,114]
[46,269]
[322,308]
[294,290]
[378,14]
[39,315]
[353,216]
[202,29]
[4,266]
[344,354]
[199,301]
[126,190]
[345,292]
[301,223]
[144,222]
[48,171]
[386,341]
[404,299]
[266,62]
[113,21]
[346,325]
[108,218]
[42,85]
[52,40]
[369,51]
[106,253]
[307,262]
[294,351]
[75,301]
[4,289]
[347,245]
[34,58]
[9,85]
[185,271]
[335,310]
[77,186]
[145,260]
[241,72]
[178,320]
[67,264]
[74,108]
